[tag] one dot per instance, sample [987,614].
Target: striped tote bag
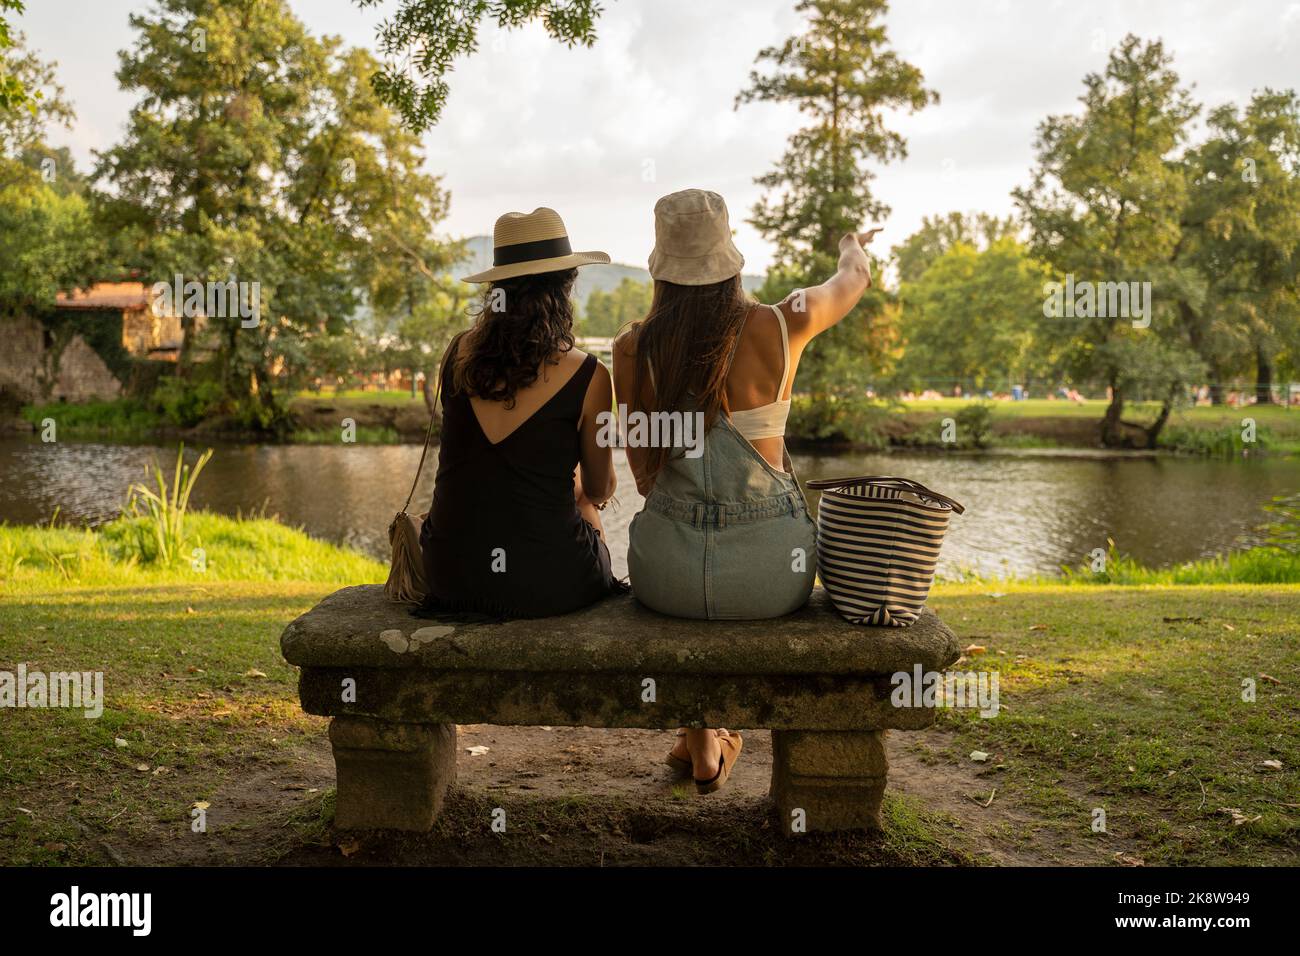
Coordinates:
[878,541]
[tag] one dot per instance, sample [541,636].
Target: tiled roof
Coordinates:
[109,296]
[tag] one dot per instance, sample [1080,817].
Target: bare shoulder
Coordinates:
[625,343]
[799,309]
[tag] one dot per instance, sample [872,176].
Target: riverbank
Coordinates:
[941,425]
[1128,699]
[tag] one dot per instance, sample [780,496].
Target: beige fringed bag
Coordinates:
[406,581]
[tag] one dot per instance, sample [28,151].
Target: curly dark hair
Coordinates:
[520,325]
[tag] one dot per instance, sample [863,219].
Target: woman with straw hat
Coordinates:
[514,529]
[725,532]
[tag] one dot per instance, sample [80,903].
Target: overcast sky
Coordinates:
[600,133]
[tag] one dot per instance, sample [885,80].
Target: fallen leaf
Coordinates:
[142,767]
[253,672]
[476,751]
[1228,627]
[348,847]
[200,805]
[974,649]
[26,811]
[189,610]
[1128,859]
[1271,764]
[1270,679]
[120,741]
[1038,627]
[978,756]
[158,770]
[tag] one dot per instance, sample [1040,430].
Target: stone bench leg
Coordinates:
[837,778]
[391,776]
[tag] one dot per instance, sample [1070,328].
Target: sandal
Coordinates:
[731,745]
[677,763]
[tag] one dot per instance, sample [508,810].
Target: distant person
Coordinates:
[725,532]
[514,529]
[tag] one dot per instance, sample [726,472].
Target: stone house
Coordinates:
[84,354]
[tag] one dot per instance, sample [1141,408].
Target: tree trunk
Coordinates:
[1263,377]
[1154,429]
[1112,428]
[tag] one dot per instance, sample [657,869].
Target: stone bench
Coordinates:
[396,687]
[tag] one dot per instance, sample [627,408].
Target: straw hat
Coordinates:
[525,244]
[693,240]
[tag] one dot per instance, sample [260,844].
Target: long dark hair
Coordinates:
[687,338]
[519,326]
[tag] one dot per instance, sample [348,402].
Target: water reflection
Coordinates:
[1024,514]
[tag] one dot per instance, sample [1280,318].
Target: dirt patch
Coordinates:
[583,796]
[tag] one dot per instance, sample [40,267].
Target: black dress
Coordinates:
[504,535]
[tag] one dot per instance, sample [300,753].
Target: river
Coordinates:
[1025,513]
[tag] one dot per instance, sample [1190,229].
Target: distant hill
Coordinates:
[605,278]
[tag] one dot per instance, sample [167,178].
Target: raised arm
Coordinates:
[813,311]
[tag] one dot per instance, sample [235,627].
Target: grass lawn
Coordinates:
[1123,698]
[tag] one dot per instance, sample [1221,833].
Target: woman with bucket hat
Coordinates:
[514,528]
[725,533]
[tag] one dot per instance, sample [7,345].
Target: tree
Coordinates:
[842,74]
[16,94]
[424,38]
[1105,206]
[938,234]
[973,318]
[258,153]
[1241,232]
[47,241]
[607,312]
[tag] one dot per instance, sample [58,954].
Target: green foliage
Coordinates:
[1106,205]
[159,531]
[938,234]
[842,74]
[16,92]
[255,550]
[1260,565]
[608,312]
[973,317]
[47,242]
[975,424]
[187,402]
[284,169]
[854,420]
[1222,442]
[123,418]
[424,37]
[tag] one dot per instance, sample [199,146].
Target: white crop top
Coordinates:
[768,421]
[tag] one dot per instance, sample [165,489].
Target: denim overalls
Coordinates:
[723,536]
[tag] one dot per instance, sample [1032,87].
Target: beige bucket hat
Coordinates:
[693,239]
[529,243]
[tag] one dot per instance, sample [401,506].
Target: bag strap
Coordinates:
[433,417]
[905,484]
